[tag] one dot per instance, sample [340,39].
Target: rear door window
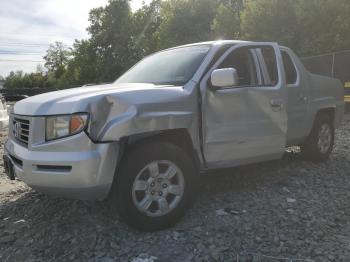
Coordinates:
[268,65]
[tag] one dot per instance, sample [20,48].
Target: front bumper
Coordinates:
[72,167]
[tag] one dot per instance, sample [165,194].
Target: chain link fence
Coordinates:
[335,65]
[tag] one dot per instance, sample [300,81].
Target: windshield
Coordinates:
[172,67]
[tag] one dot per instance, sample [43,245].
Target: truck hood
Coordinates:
[86,98]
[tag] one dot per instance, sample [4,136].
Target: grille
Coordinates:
[20,129]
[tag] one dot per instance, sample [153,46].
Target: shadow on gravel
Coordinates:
[246,178]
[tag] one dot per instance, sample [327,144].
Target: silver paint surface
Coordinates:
[237,125]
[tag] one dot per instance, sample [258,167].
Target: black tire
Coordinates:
[136,160]
[310,149]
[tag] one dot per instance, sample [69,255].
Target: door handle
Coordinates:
[276,105]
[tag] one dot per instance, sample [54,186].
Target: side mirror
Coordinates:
[226,77]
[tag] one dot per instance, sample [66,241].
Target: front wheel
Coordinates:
[320,142]
[154,187]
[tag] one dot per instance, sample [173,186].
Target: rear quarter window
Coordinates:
[289,68]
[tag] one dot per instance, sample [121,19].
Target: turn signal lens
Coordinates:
[77,123]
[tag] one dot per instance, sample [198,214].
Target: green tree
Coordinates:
[271,20]
[324,26]
[227,24]
[118,39]
[83,68]
[307,26]
[185,21]
[14,80]
[111,39]
[56,58]
[146,22]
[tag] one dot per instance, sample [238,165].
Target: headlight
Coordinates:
[65,125]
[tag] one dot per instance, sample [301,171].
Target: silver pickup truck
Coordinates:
[143,141]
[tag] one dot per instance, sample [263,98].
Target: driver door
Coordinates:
[245,123]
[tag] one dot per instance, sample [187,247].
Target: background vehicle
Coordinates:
[14,97]
[4,117]
[17,94]
[143,140]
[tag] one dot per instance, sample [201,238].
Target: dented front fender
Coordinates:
[116,116]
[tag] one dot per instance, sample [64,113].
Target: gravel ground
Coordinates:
[288,208]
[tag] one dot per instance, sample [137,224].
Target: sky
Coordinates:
[28,27]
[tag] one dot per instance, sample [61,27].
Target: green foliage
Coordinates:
[308,26]
[57,57]
[146,22]
[324,26]
[111,40]
[226,24]
[267,20]
[120,37]
[185,21]
[33,80]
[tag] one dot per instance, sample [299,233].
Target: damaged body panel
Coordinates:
[258,131]
[126,115]
[119,110]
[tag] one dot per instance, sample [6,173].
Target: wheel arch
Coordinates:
[328,111]
[179,137]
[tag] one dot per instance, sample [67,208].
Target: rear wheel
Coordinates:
[154,187]
[320,142]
